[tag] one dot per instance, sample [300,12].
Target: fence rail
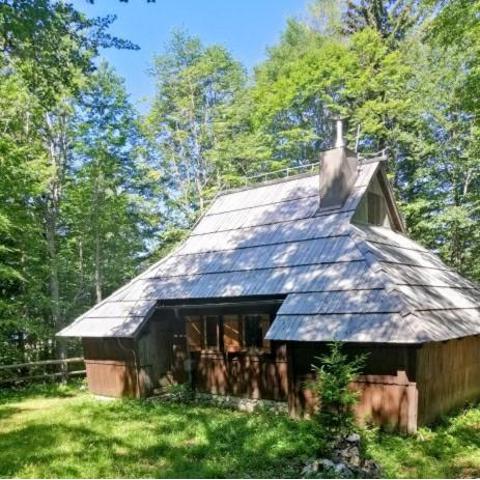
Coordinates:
[50,369]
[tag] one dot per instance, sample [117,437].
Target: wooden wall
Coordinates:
[127,367]
[388,388]
[402,385]
[111,367]
[448,376]
[388,400]
[161,351]
[243,374]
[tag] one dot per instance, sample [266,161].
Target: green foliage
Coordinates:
[47,73]
[107,212]
[195,87]
[308,77]
[332,386]
[449,449]
[52,45]
[393,19]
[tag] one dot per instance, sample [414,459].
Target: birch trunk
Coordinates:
[57,147]
[98,271]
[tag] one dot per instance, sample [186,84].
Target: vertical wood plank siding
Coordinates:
[448,376]
[402,385]
[111,367]
[242,374]
[388,391]
[388,400]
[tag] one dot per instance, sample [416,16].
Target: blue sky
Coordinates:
[245,27]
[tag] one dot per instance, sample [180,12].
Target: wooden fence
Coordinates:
[43,370]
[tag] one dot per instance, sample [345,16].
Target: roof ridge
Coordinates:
[267,183]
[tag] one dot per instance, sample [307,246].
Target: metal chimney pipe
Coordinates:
[340,141]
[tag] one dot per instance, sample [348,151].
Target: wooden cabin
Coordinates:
[271,274]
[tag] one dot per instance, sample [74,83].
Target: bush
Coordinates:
[333,376]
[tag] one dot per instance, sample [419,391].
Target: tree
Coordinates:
[48,49]
[334,375]
[309,78]
[107,223]
[195,86]
[393,19]
[52,45]
[23,173]
[456,26]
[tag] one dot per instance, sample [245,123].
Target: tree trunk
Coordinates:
[98,272]
[57,146]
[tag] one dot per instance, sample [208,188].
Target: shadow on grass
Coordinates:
[47,390]
[132,439]
[7,411]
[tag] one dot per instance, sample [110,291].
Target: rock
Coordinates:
[351,452]
[353,438]
[343,471]
[311,468]
[371,469]
[326,464]
[355,461]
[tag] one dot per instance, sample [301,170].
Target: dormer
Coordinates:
[339,169]
[377,205]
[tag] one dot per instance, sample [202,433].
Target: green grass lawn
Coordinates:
[450,449]
[64,432]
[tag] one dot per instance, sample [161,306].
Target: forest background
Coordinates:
[92,191]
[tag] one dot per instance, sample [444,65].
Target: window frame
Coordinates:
[262,346]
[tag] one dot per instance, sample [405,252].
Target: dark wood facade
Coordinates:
[260,376]
[388,388]
[448,376]
[403,386]
[111,367]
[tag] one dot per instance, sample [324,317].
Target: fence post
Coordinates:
[63,367]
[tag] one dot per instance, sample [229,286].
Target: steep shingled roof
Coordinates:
[341,281]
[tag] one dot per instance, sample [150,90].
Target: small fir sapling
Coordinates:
[334,373]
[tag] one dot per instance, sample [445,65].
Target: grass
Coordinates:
[62,431]
[449,449]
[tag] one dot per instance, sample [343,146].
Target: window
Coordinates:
[194,332]
[377,210]
[212,332]
[232,333]
[373,208]
[229,332]
[255,329]
[203,332]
